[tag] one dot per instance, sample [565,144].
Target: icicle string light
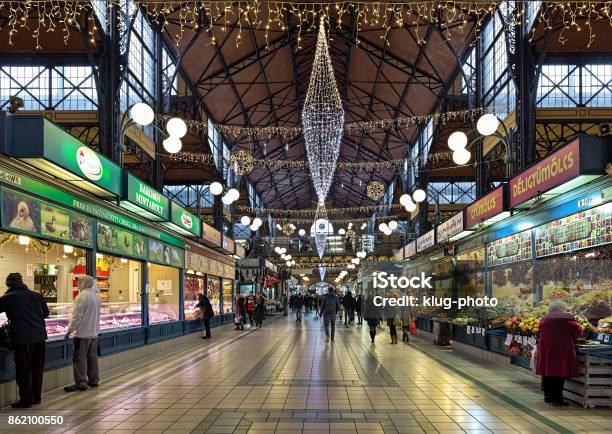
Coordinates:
[312,212]
[453,18]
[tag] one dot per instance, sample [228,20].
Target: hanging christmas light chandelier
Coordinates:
[320,229]
[322,118]
[322,271]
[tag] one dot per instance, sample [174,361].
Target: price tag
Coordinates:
[599,336]
[478,330]
[509,338]
[607,338]
[532,341]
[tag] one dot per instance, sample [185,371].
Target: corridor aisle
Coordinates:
[284,378]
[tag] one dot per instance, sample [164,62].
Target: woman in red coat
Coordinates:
[556,356]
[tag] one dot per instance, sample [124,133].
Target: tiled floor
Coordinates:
[284,378]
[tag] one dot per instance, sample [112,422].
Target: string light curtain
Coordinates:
[322,118]
[322,271]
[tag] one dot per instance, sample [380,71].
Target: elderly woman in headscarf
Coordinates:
[556,354]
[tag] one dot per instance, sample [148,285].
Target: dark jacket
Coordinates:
[358,303]
[205,307]
[26,310]
[259,313]
[329,306]
[299,302]
[348,301]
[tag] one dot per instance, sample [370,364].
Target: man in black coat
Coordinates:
[26,311]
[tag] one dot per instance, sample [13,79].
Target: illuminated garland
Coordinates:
[41,16]
[350,128]
[311,212]
[365,166]
[286,220]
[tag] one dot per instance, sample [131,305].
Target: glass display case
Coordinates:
[228,295]
[213,291]
[194,285]
[163,293]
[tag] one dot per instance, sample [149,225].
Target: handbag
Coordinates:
[6,336]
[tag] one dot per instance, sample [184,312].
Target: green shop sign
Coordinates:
[165,254]
[12,178]
[142,199]
[183,221]
[49,148]
[26,214]
[120,241]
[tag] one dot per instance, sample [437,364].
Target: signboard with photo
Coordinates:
[24,213]
[125,243]
[509,249]
[165,254]
[589,228]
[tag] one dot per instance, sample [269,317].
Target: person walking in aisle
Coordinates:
[207,313]
[298,304]
[240,313]
[556,353]
[371,316]
[349,304]
[250,305]
[328,310]
[358,308]
[85,324]
[26,310]
[259,311]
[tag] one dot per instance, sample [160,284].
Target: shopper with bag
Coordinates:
[26,311]
[556,353]
[207,313]
[260,311]
[250,305]
[85,324]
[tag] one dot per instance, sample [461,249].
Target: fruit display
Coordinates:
[604,326]
[583,322]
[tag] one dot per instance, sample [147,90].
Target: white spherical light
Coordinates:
[351,266]
[234,194]
[254,228]
[388,232]
[461,157]
[245,220]
[176,127]
[419,195]
[216,188]
[257,221]
[226,199]
[142,114]
[341,231]
[277,249]
[487,124]
[405,199]
[383,227]
[302,232]
[392,225]
[457,140]
[411,207]
[172,145]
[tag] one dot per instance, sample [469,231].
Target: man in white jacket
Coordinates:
[85,323]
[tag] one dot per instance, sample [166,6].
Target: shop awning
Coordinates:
[42,144]
[575,164]
[142,199]
[183,221]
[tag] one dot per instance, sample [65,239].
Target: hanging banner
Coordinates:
[210,235]
[240,251]
[589,228]
[112,239]
[425,241]
[140,198]
[26,214]
[228,244]
[450,227]
[510,249]
[485,209]
[165,254]
[398,254]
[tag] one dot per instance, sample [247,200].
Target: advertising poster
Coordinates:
[24,213]
[115,240]
[514,248]
[164,254]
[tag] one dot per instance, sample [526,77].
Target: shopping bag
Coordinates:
[413,329]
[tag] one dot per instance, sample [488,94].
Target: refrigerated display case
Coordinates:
[194,285]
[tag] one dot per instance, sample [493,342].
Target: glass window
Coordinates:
[228,295]
[119,283]
[214,293]
[597,85]
[194,286]
[163,293]
[47,268]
